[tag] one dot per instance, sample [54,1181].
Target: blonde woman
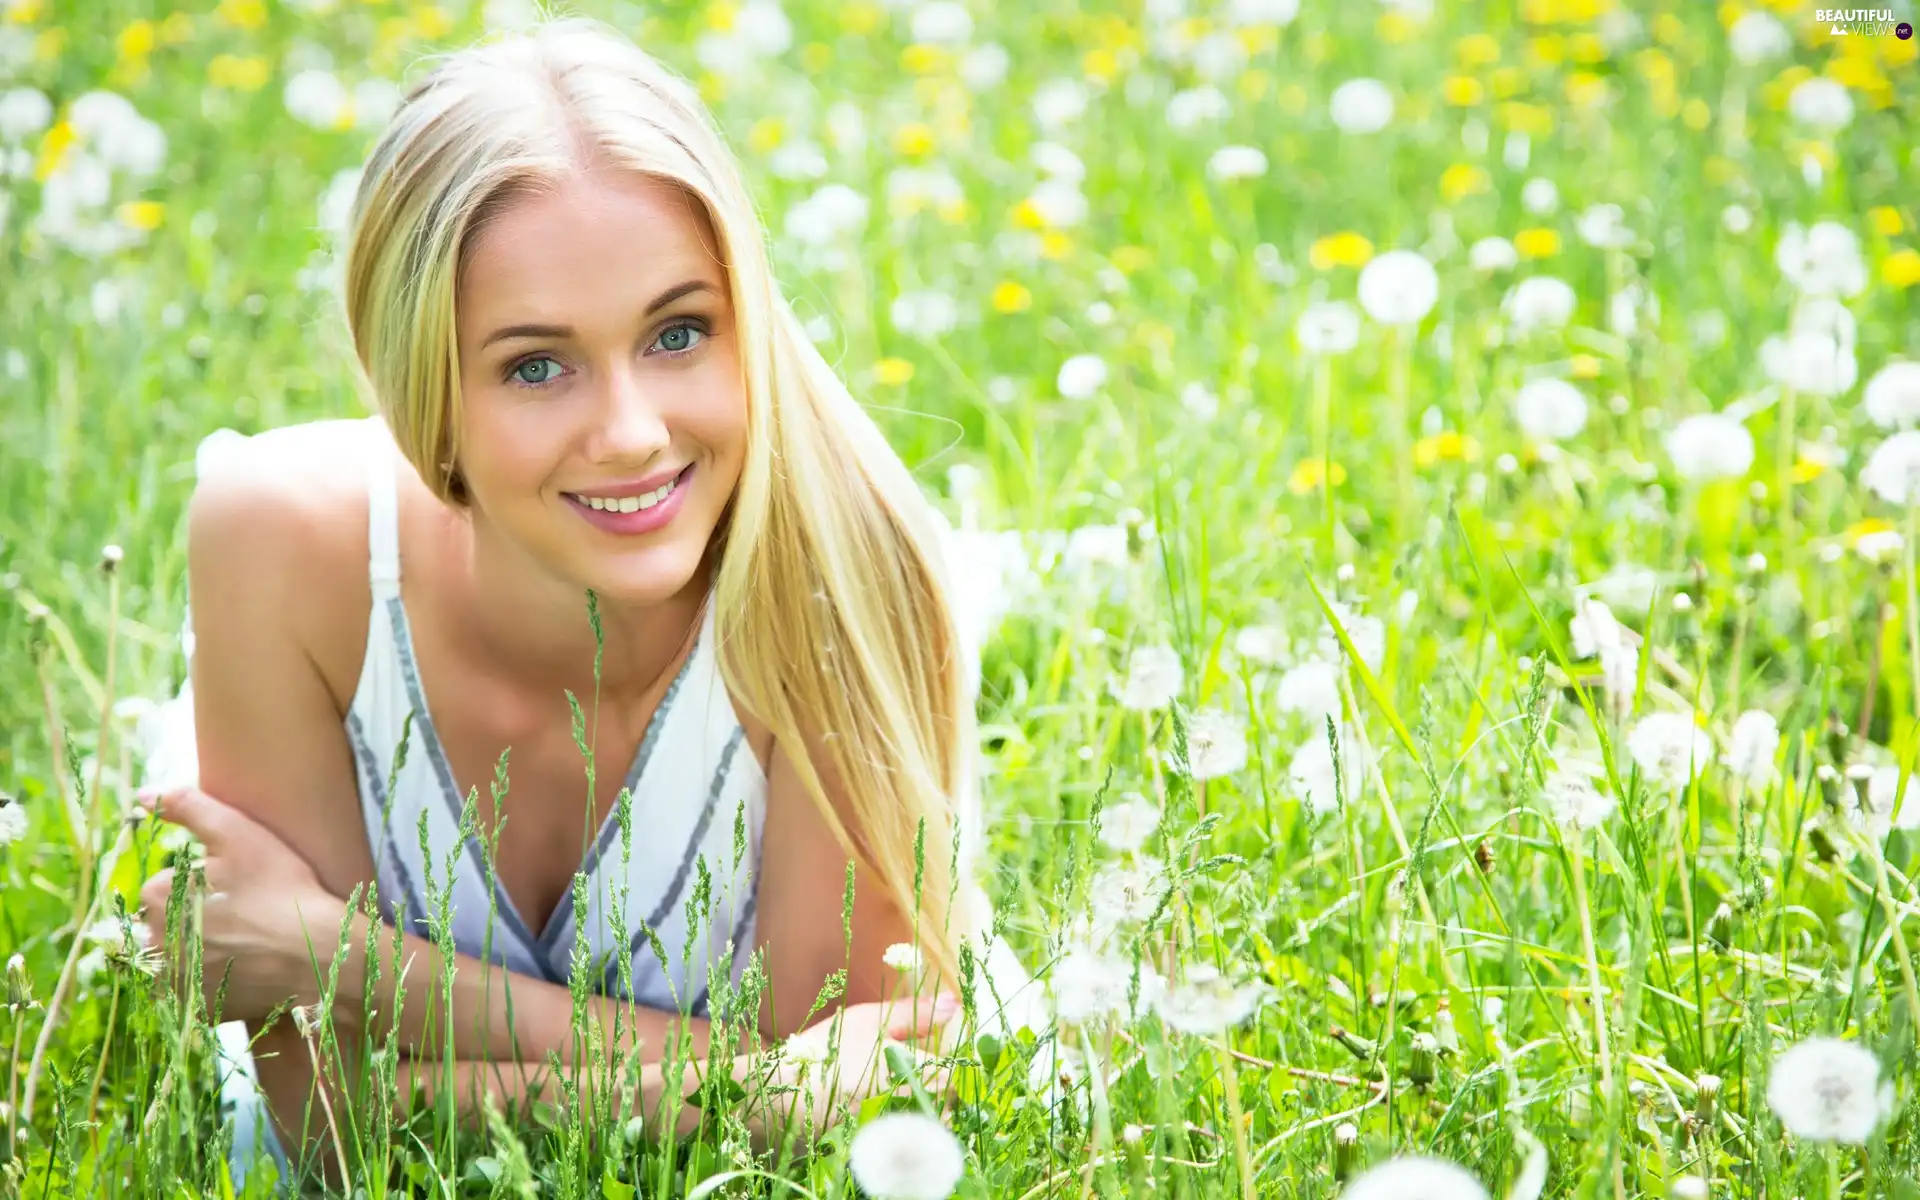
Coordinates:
[587,381]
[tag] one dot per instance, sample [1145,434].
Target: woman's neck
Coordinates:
[519,618]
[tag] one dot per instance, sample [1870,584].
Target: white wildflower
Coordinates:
[1312,689]
[1551,410]
[1368,635]
[1311,772]
[1892,396]
[1081,376]
[1538,303]
[810,1047]
[926,314]
[903,957]
[906,1156]
[832,213]
[1236,162]
[1059,201]
[1398,288]
[1881,805]
[1710,446]
[1893,470]
[1266,645]
[1124,893]
[1822,260]
[1821,103]
[1328,327]
[1828,1090]
[1059,103]
[1194,107]
[1216,744]
[24,112]
[1415,1178]
[316,97]
[1604,226]
[1669,748]
[1736,219]
[1207,1003]
[1879,545]
[1757,36]
[13,820]
[1575,802]
[1811,362]
[1493,254]
[1262,12]
[1540,196]
[1751,747]
[1154,676]
[985,67]
[1089,985]
[1126,826]
[1361,106]
[942,23]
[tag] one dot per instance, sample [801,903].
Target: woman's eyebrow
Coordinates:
[564,331]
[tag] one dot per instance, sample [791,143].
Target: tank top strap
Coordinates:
[383,517]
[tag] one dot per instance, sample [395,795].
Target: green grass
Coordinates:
[1716,924]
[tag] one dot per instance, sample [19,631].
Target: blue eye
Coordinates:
[678,339]
[542,361]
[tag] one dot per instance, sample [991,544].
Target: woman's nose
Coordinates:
[631,426]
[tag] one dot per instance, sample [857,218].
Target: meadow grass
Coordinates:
[1452,964]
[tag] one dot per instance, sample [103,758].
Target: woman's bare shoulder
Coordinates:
[282,517]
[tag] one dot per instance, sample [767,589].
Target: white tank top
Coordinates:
[698,806]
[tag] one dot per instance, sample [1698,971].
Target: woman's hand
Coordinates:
[266,923]
[823,1081]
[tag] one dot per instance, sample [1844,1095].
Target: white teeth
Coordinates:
[628,504]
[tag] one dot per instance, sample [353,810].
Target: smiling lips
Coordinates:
[637,512]
[638,502]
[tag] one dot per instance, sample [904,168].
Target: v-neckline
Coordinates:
[561,918]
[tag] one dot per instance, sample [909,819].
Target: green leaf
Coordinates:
[613,1189]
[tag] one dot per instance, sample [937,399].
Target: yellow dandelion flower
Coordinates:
[1154,335]
[1507,82]
[956,211]
[1587,90]
[1549,49]
[720,16]
[1310,473]
[713,89]
[1864,529]
[1730,12]
[815,57]
[1898,52]
[1194,29]
[1857,73]
[137,39]
[1584,366]
[1011,297]
[242,14]
[1449,446]
[23,12]
[248,74]
[892,372]
[1055,245]
[431,21]
[177,28]
[1462,91]
[1254,84]
[766,135]
[1697,113]
[1258,39]
[1345,249]
[1586,48]
[860,18]
[1462,180]
[54,145]
[1293,99]
[1477,50]
[1099,64]
[1885,220]
[1537,243]
[1317,46]
[1669,29]
[141,214]
[1806,470]
[1129,259]
[1653,64]
[1534,120]
[919,59]
[1395,27]
[913,141]
[1027,215]
[1901,268]
[48,45]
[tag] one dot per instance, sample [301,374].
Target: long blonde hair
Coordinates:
[833,608]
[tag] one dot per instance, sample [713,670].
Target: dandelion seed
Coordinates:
[906,1156]
[1539,303]
[1574,801]
[1216,744]
[1710,446]
[1059,103]
[1361,106]
[1822,104]
[1828,1090]
[1154,676]
[1415,1178]
[1690,1187]
[1398,288]
[13,820]
[1750,749]
[1328,327]
[1551,410]
[1082,376]
[1126,826]
[1669,748]
[1893,469]
[1207,1003]
[1892,396]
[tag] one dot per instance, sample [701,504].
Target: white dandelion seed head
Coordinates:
[13,820]
[906,1156]
[1828,1090]
[1193,107]
[1822,259]
[1328,327]
[1893,469]
[1879,546]
[942,23]
[1415,1178]
[1262,12]
[1059,103]
[1540,196]
[1361,106]
[1153,679]
[1058,162]
[1539,302]
[1090,985]
[317,98]
[1236,162]
[1811,362]
[1124,894]
[810,1047]
[1736,219]
[1264,645]
[831,214]
[1216,744]
[24,112]
[1207,1003]
[1551,410]
[1126,826]
[1709,446]
[1310,688]
[1604,226]
[1311,770]
[985,67]
[1875,803]
[1574,801]
[1493,254]
[903,957]
[1082,376]
[1892,396]
[1670,748]
[1757,36]
[1059,201]
[1399,288]
[1821,103]
[926,314]
[1368,635]
[1751,747]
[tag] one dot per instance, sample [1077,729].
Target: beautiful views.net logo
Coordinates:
[1862,21]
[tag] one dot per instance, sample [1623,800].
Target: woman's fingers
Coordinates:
[912,1020]
[193,810]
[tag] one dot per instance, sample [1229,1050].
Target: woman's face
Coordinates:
[604,417]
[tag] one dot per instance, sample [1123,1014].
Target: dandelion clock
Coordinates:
[1399,288]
